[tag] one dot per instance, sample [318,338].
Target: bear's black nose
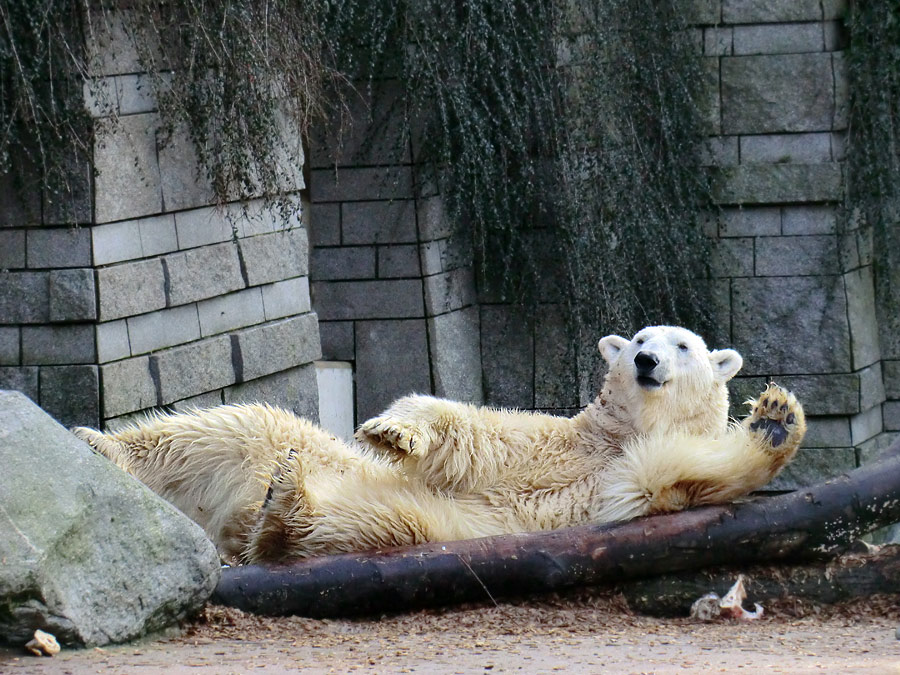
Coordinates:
[645,363]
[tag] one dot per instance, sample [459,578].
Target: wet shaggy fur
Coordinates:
[266,485]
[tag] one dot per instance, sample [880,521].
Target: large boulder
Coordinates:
[86,552]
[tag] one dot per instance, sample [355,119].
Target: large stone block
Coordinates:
[131,288]
[24,297]
[20,196]
[275,256]
[12,249]
[770,11]
[277,346]
[827,432]
[9,345]
[158,234]
[779,38]
[836,394]
[358,184]
[862,315]
[116,242]
[449,291]
[55,247]
[786,148]
[382,299]
[23,379]
[770,94]
[810,219]
[750,222]
[718,41]
[112,341]
[71,394]
[228,312]
[698,12]
[777,183]
[507,357]
[793,256]
[791,325]
[193,368]
[128,385]
[285,298]
[183,183]
[455,345]
[89,554]
[391,361]
[841,118]
[164,328]
[127,173]
[392,222]
[337,340]
[891,412]
[294,389]
[733,257]
[202,273]
[871,387]
[135,94]
[203,226]
[866,425]
[58,344]
[813,465]
[395,262]
[325,225]
[73,296]
[433,219]
[343,262]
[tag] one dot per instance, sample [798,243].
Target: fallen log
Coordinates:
[847,577]
[816,522]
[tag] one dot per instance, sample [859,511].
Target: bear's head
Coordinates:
[668,380]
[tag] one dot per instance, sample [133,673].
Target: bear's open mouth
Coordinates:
[648,382]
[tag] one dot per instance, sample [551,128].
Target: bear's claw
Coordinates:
[388,434]
[778,416]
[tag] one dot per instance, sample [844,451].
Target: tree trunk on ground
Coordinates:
[817,522]
[850,576]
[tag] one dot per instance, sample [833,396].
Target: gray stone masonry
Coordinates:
[131,288]
[389,358]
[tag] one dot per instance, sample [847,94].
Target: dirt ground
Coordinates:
[587,634]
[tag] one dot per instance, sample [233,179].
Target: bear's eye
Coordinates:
[640,341]
[683,347]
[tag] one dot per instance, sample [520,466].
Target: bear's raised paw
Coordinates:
[389,434]
[779,418]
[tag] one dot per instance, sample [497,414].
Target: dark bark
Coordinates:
[824,583]
[816,522]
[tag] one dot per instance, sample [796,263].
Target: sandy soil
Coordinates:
[581,635]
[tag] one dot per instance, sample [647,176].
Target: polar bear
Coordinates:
[268,486]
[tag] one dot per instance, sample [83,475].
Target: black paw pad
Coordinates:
[773,430]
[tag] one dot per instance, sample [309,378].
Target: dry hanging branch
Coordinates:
[819,521]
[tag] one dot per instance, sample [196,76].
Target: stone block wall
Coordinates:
[392,286]
[144,294]
[795,285]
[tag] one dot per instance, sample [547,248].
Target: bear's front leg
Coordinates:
[411,427]
[776,424]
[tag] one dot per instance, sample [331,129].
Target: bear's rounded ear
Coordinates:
[610,346]
[725,363]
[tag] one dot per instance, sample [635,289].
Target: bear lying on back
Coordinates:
[266,485]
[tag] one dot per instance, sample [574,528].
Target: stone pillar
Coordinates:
[136,292]
[796,285]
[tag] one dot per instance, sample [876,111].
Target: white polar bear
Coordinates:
[267,485]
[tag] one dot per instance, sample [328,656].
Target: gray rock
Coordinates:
[507,355]
[777,183]
[812,465]
[89,554]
